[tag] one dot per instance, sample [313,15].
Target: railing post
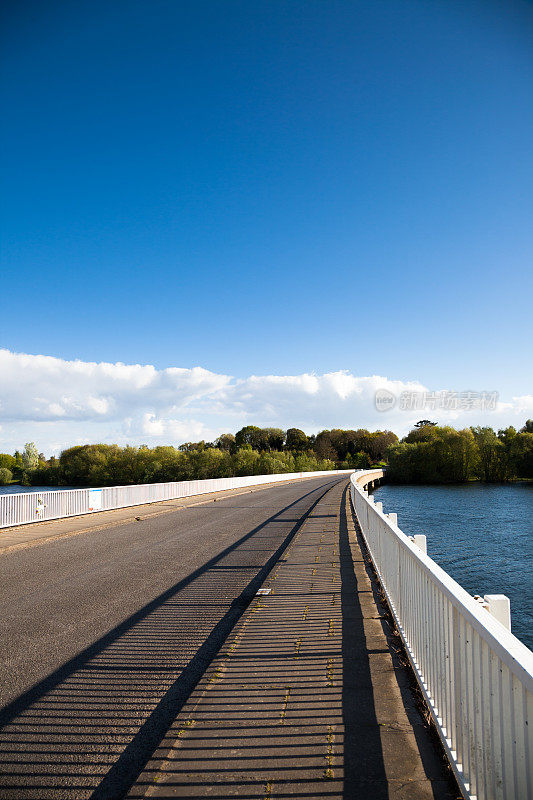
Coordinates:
[499,606]
[456,736]
[421,541]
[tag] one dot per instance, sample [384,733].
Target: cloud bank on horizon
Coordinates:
[59,403]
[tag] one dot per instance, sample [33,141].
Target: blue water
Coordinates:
[14,488]
[482,535]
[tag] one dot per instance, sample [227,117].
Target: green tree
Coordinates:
[30,456]
[254,437]
[325,447]
[127,465]
[260,438]
[7,461]
[444,456]
[244,461]
[87,465]
[350,442]
[523,454]
[269,464]
[296,440]
[304,462]
[467,455]
[190,447]
[209,463]
[491,452]
[379,443]
[168,464]
[226,441]
[508,464]
[6,476]
[359,460]
[403,467]
[424,433]
[275,438]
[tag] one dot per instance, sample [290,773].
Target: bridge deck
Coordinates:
[134,662]
[308,697]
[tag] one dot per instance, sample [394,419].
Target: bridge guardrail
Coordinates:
[476,677]
[25,507]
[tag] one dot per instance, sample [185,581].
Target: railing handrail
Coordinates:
[501,638]
[42,490]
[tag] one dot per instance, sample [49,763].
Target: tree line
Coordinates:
[251,451]
[435,454]
[428,454]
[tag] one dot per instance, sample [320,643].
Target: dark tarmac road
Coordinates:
[104,635]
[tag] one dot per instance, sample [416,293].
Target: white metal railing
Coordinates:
[26,507]
[476,677]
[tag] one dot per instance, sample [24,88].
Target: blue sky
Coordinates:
[271,187]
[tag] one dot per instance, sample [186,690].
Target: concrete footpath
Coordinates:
[308,697]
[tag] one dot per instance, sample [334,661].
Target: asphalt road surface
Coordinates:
[104,635]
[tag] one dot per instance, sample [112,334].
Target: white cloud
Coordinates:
[58,403]
[41,388]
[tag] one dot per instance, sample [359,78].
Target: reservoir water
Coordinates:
[15,488]
[481,534]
